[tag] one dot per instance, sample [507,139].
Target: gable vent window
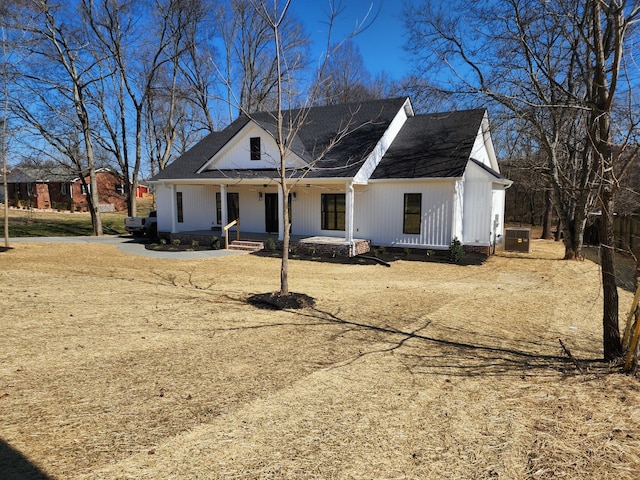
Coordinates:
[412,213]
[255,148]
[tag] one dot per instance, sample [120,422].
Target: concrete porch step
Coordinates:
[246,246]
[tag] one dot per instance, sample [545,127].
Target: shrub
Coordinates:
[215,243]
[406,252]
[195,243]
[456,251]
[176,242]
[269,244]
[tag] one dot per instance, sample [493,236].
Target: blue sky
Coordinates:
[381,45]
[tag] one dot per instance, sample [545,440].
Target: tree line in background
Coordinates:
[136,83]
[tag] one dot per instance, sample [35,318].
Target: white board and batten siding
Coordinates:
[198,207]
[483,208]
[476,226]
[483,150]
[379,215]
[165,202]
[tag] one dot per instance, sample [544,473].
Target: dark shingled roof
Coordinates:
[364,124]
[190,162]
[435,145]
[35,174]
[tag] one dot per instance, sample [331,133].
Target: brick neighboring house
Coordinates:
[44,188]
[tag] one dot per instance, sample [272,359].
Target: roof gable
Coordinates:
[436,145]
[333,140]
[236,152]
[361,141]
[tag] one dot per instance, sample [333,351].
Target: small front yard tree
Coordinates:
[288,122]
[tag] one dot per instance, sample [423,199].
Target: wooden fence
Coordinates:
[627,232]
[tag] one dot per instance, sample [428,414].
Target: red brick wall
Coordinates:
[107,183]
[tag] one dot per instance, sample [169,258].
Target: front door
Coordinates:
[271,212]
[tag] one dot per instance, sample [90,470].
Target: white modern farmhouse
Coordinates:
[361,174]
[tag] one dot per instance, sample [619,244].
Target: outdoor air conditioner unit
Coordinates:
[517,240]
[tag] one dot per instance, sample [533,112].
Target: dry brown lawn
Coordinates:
[114,366]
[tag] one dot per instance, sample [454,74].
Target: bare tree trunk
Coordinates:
[282,148]
[286,239]
[67,58]
[547,216]
[611,332]
[3,146]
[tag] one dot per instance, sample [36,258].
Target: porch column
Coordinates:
[224,218]
[348,233]
[174,215]
[280,213]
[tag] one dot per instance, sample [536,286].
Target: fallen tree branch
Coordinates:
[571,357]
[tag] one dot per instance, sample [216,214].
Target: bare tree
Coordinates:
[288,121]
[59,48]
[345,78]
[251,70]
[137,61]
[3,133]
[558,66]
[608,25]
[199,66]
[518,60]
[5,12]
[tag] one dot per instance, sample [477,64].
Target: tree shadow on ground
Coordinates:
[15,466]
[454,358]
[5,249]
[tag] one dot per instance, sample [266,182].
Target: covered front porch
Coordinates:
[323,245]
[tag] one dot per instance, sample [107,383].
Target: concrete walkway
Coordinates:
[130,245]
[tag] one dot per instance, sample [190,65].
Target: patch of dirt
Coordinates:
[275,301]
